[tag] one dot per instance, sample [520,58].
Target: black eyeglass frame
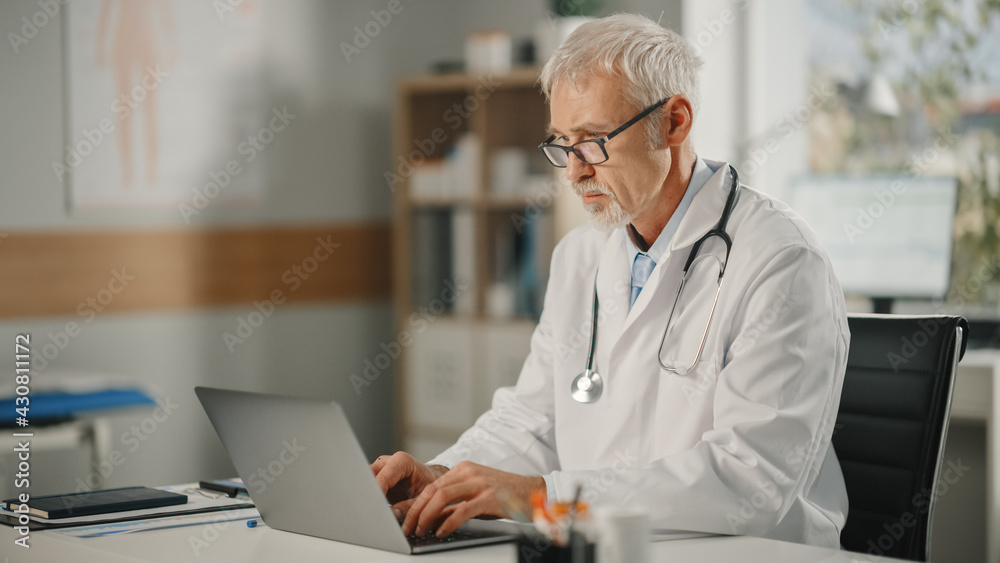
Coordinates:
[600,142]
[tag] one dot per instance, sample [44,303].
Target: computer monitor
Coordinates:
[887,236]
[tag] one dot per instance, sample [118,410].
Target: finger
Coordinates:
[410,521]
[445,496]
[390,473]
[412,516]
[460,514]
[379,463]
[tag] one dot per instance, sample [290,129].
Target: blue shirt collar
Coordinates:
[699,177]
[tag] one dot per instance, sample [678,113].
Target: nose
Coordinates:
[577,169]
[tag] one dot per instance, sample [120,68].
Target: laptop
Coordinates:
[306,473]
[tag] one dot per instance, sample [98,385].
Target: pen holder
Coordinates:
[535,548]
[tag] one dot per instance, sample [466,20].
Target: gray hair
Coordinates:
[653,62]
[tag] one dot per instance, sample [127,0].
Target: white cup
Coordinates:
[622,535]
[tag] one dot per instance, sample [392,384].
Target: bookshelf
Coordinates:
[473,234]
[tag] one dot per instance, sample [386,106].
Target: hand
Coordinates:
[466,491]
[402,478]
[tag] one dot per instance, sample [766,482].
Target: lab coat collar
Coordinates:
[700,175]
[615,274]
[613,288]
[703,215]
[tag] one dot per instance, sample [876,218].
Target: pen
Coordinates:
[252,523]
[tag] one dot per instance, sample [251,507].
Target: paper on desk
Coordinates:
[111,528]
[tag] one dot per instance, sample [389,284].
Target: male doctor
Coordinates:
[720,424]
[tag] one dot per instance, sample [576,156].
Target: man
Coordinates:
[721,424]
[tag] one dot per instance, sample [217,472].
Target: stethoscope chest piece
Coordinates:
[587,386]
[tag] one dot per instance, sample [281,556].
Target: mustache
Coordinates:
[584,187]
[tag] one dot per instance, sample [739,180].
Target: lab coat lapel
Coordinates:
[613,287]
[701,217]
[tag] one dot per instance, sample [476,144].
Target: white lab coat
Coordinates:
[741,444]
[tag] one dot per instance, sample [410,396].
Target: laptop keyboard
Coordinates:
[431,539]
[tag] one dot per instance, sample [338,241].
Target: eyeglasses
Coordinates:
[591,151]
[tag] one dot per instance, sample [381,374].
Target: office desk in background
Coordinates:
[975,407]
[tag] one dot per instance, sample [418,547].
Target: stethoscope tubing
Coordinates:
[591,391]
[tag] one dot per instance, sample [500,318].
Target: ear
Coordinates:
[675,123]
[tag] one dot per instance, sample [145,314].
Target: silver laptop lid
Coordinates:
[303,467]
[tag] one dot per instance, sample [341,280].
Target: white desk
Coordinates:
[236,542]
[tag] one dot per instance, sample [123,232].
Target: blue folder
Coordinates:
[62,405]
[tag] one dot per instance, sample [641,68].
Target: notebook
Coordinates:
[306,473]
[97,502]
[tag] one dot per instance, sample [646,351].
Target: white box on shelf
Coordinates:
[427,180]
[488,52]
[440,366]
[504,348]
[508,168]
[463,248]
[463,166]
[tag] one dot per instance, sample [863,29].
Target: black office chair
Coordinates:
[891,428]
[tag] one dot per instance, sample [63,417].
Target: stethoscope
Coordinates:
[588,386]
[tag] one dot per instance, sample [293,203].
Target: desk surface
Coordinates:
[233,541]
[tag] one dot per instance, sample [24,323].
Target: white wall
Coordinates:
[326,167]
[754,83]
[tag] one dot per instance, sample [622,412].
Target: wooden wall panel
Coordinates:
[73,273]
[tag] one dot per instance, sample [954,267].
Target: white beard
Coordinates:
[605,217]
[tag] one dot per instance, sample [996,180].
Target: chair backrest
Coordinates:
[891,428]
